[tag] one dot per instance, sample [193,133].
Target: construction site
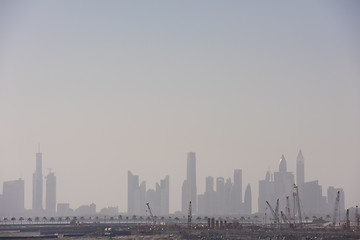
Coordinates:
[283,225]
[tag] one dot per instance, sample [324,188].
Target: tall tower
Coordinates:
[133,185]
[236,192]
[189,191]
[300,172]
[50,203]
[247,201]
[37,204]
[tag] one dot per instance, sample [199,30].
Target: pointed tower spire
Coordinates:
[300,169]
[282,164]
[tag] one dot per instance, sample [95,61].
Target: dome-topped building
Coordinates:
[282,164]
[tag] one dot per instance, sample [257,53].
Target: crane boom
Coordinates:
[152,216]
[274,212]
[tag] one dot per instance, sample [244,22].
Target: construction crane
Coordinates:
[189,215]
[275,212]
[336,208]
[152,216]
[288,208]
[357,218]
[284,218]
[297,199]
[291,225]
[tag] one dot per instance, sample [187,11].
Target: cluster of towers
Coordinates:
[138,196]
[280,185]
[225,199]
[50,199]
[12,201]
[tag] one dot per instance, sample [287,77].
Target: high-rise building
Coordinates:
[12,203]
[236,192]
[50,202]
[300,171]
[247,200]
[207,201]
[220,195]
[189,192]
[284,183]
[37,203]
[266,192]
[209,185]
[136,195]
[159,198]
[164,196]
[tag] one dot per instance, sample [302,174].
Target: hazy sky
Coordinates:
[111,86]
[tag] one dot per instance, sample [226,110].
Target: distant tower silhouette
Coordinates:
[300,172]
[37,204]
[189,192]
[247,201]
[50,194]
[282,164]
[236,192]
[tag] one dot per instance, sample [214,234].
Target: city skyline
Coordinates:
[108,87]
[223,200]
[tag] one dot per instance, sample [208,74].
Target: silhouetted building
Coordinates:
[284,183]
[220,196]
[310,194]
[189,192]
[136,195]
[86,210]
[207,201]
[159,198]
[63,210]
[50,203]
[109,211]
[247,200]
[236,192]
[37,203]
[12,199]
[266,192]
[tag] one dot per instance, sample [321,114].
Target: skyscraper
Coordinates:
[284,183]
[50,203]
[189,192]
[236,192]
[300,172]
[266,192]
[37,203]
[136,195]
[13,198]
[247,200]
[159,198]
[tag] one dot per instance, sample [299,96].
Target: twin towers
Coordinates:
[50,200]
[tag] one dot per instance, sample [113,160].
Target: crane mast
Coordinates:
[296,194]
[189,215]
[336,208]
[288,208]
